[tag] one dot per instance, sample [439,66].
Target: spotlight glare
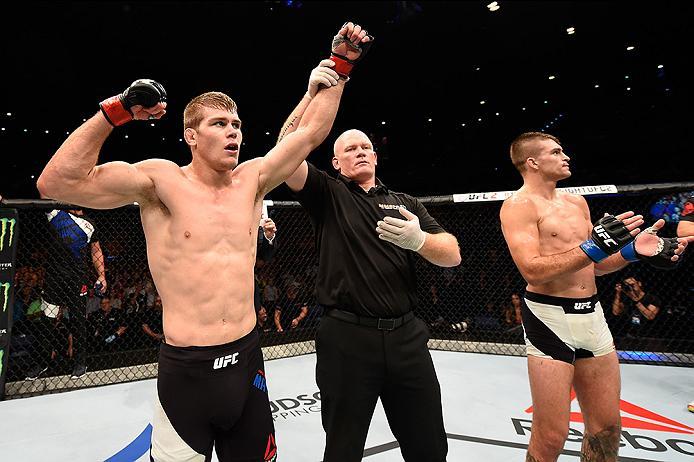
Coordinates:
[9,114]
[383,122]
[570,30]
[630,48]
[660,66]
[597,86]
[482,102]
[551,77]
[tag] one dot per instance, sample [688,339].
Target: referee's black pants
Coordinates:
[355,366]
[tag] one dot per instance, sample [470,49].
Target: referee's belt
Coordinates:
[378,323]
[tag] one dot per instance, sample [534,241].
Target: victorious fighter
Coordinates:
[559,252]
[201,226]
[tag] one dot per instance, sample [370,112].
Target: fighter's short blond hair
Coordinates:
[192,115]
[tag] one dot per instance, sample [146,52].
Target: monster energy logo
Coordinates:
[5,222]
[5,290]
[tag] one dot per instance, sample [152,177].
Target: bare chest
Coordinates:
[562,223]
[200,219]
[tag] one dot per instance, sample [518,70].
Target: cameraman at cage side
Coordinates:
[641,308]
[686,228]
[686,224]
[75,244]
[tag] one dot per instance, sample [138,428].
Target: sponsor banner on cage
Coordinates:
[503,195]
[8,252]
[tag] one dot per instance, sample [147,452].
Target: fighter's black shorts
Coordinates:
[213,396]
[565,329]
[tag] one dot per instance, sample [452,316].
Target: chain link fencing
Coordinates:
[62,323]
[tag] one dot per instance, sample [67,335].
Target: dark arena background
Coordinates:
[442,93]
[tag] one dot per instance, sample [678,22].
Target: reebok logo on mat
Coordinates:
[271,449]
[224,361]
[634,416]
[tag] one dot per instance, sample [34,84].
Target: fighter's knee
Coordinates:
[549,442]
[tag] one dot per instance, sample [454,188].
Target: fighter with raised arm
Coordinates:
[559,252]
[201,226]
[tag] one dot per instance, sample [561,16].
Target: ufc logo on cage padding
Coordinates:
[224,361]
[605,235]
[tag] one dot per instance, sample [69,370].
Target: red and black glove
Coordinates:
[144,92]
[346,53]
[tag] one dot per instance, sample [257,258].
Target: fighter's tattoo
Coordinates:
[531,458]
[601,447]
[289,124]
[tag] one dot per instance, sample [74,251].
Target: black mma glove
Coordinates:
[608,236]
[346,53]
[143,92]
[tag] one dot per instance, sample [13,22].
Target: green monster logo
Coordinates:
[5,290]
[5,222]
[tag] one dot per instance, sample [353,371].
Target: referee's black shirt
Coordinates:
[357,271]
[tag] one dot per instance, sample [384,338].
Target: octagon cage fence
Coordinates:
[468,308]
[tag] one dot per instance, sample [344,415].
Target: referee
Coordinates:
[369,343]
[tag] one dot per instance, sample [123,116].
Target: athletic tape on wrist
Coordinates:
[628,252]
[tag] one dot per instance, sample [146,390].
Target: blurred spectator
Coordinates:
[117,299]
[150,293]
[93,302]
[270,293]
[74,248]
[291,311]
[152,323]
[636,310]
[686,224]
[488,318]
[263,321]
[265,253]
[109,326]
[512,312]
